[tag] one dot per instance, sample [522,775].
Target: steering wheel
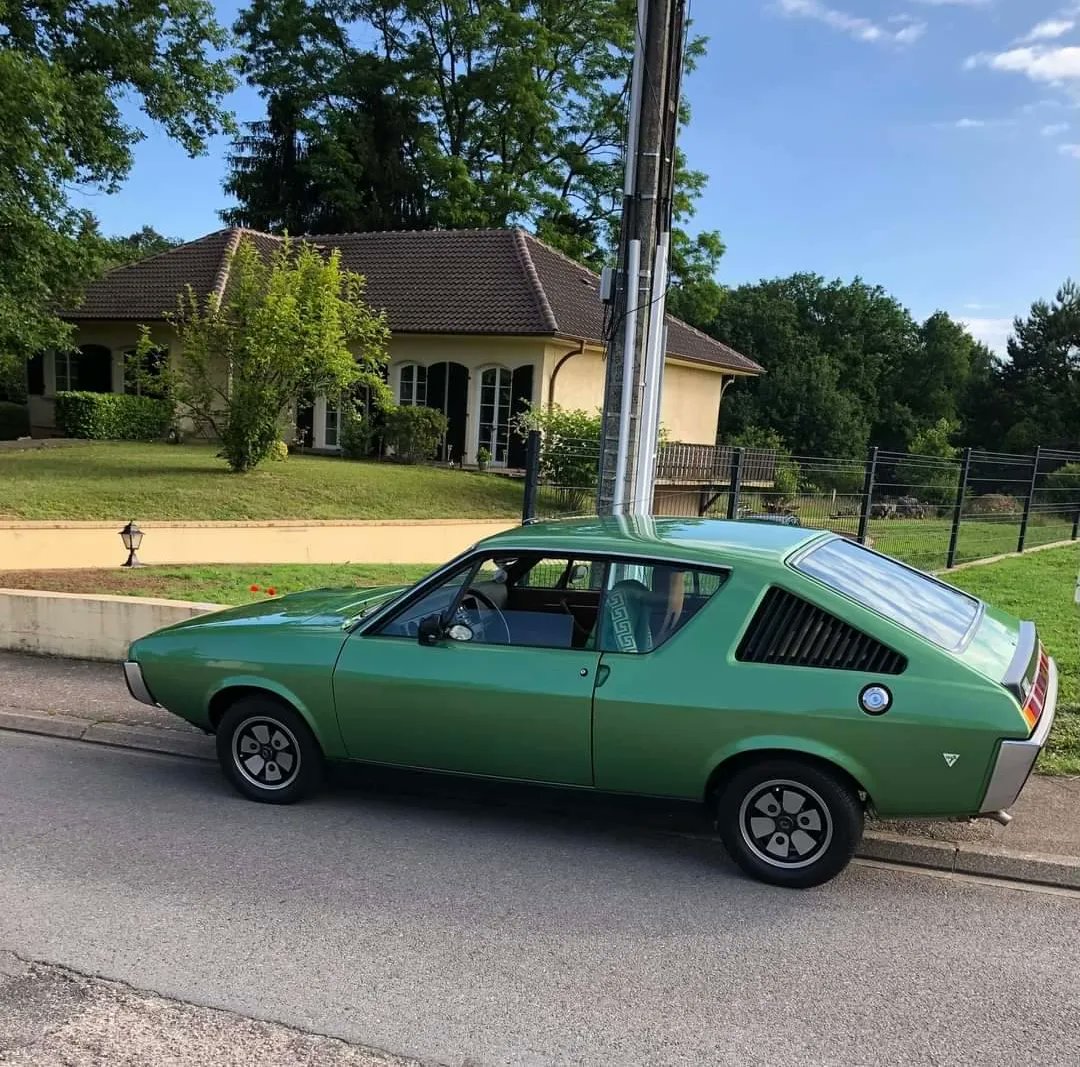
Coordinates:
[483,599]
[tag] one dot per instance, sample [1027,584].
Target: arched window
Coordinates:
[412,385]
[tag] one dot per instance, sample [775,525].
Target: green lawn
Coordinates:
[1041,587]
[219,584]
[121,480]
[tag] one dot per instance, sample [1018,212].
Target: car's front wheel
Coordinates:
[789,822]
[268,752]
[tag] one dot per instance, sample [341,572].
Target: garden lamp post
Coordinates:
[132,537]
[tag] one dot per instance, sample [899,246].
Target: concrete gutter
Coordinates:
[979,855]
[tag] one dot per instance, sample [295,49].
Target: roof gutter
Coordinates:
[558,366]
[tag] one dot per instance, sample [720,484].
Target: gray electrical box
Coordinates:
[607,284]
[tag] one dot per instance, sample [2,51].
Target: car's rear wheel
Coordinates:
[789,822]
[268,752]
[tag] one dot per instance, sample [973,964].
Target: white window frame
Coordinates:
[408,393]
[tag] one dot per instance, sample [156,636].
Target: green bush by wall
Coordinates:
[112,416]
[14,421]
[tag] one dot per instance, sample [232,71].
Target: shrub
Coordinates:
[279,452]
[570,444]
[1061,491]
[14,421]
[112,416]
[356,433]
[415,433]
[931,471]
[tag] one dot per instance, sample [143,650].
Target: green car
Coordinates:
[790,679]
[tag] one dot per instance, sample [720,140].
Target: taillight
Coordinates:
[1033,706]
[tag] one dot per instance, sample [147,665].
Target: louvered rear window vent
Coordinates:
[788,631]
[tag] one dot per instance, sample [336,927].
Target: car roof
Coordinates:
[706,541]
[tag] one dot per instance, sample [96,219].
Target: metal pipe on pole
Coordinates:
[622,456]
[645,218]
[653,374]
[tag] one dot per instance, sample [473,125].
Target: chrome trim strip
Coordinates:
[1016,759]
[136,685]
[1026,647]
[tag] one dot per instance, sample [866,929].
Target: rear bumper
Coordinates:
[136,685]
[1017,758]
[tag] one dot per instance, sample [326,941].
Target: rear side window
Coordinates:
[908,597]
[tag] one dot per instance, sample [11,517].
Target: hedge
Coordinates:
[14,421]
[112,416]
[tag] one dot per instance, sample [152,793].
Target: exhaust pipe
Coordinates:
[1002,818]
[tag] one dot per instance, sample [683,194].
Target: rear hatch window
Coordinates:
[914,600]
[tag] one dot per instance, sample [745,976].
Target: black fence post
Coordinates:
[735,482]
[1076,524]
[532,476]
[1030,498]
[961,489]
[868,493]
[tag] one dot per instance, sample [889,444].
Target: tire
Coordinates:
[268,752]
[789,822]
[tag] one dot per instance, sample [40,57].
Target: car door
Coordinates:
[484,706]
[664,699]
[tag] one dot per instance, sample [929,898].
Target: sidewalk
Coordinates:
[89,702]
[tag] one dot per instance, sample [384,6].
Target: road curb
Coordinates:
[972,858]
[118,734]
[962,857]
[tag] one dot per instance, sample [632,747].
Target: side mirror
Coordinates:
[430,630]
[579,572]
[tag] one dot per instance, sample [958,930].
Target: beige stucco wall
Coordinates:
[52,546]
[689,403]
[84,627]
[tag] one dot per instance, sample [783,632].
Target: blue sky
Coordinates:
[930,146]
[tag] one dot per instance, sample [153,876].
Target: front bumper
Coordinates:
[136,685]
[1017,758]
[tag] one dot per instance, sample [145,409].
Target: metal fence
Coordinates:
[933,513]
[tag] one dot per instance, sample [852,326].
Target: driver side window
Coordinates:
[437,601]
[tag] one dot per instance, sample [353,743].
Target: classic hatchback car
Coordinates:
[791,679]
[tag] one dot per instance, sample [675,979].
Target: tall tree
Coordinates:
[64,70]
[454,113]
[1041,378]
[138,245]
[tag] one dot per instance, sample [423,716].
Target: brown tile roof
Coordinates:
[498,281]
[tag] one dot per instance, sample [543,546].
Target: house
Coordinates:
[482,323]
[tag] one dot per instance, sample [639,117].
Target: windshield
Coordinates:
[916,601]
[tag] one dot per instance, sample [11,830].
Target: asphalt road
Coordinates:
[461,932]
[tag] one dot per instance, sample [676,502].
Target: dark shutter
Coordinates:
[520,399]
[35,375]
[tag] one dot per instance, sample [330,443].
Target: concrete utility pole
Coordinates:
[635,355]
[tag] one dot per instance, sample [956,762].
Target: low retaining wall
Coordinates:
[84,627]
[60,545]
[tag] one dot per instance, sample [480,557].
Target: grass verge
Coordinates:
[1041,587]
[220,584]
[118,480]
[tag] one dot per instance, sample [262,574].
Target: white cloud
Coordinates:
[1039,63]
[861,29]
[994,333]
[969,124]
[1070,150]
[979,307]
[954,3]
[1049,29]
[1052,129]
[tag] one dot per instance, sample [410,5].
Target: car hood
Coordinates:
[320,607]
